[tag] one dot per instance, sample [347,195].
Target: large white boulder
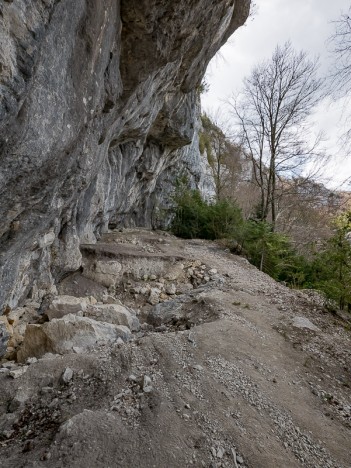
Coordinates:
[63,305]
[111,313]
[68,334]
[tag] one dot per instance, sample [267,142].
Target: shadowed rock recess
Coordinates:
[98,102]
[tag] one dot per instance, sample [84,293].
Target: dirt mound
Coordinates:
[227,369]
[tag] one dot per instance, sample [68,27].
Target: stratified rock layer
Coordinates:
[96,98]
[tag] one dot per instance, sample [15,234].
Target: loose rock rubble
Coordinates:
[206,362]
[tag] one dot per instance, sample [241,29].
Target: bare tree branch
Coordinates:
[272,114]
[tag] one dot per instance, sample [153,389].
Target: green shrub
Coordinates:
[196,218]
[271,252]
[331,269]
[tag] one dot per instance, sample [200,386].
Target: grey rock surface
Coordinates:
[96,100]
[4,337]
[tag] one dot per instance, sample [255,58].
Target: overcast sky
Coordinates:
[308,24]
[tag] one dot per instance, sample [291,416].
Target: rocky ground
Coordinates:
[165,352]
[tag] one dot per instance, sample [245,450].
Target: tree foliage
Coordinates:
[196,218]
[331,268]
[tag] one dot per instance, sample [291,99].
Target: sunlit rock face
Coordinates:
[96,100]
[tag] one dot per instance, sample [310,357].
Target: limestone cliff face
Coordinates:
[96,98]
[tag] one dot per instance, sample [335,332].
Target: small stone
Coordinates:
[8,434]
[220,452]
[187,406]
[153,277]
[108,299]
[171,289]
[67,376]
[239,459]
[55,402]
[16,373]
[28,446]
[46,456]
[154,296]
[198,367]
[147,384]
[213,271]
[146,381]
[31,360]
[119,342]
[9,365]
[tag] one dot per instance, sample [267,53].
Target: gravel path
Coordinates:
[245,373]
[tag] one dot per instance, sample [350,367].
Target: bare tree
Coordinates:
[340,43]
[273,113]
[341,47]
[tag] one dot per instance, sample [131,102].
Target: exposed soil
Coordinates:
[235,379]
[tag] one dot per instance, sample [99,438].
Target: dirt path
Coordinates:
[243,372]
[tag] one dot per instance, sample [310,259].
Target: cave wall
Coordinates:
[97,100]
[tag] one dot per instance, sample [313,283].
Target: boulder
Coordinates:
[63,305]
[107,273]
[166,313]
[69,334]
[111,313]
